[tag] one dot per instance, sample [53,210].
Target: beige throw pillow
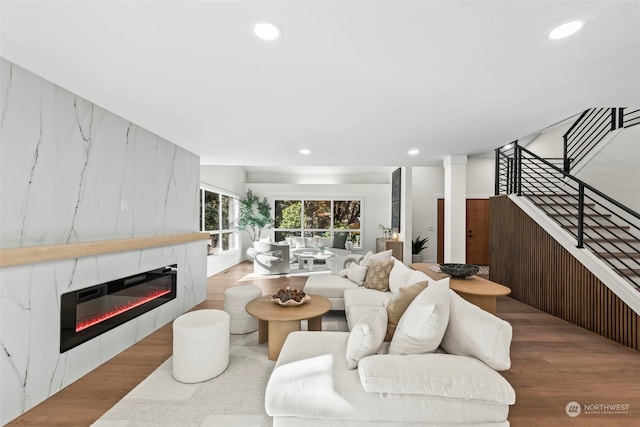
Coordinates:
[377,256]
[398,305]
[378,274]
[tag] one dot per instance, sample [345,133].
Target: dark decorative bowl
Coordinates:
[459,271]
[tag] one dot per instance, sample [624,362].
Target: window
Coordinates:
[218,216]
[322,218]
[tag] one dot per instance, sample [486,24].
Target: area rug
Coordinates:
[233,399]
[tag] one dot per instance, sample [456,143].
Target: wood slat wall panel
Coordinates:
[541,273]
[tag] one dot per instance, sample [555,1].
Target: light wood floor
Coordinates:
[553,363]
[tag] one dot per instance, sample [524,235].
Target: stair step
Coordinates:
[615,240]
[618,255]
[566,204]
[629,271]
[600,227]
[598,215]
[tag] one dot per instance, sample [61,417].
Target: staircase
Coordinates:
[604,226]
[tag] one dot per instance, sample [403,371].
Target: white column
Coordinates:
[455,208]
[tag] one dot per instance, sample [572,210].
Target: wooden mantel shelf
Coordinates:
[35,254]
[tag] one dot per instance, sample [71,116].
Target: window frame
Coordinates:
[217,236]
[316,231]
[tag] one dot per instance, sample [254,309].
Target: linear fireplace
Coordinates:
[89,312]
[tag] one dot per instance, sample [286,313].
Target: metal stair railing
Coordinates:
[591,128]
[605,226]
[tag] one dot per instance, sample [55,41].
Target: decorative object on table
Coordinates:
[322,248]
[417,246]
[290,297]
[386,232]
[348,245]
[394,235]
[459,271]
[255,215]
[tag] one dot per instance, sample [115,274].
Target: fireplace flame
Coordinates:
[121,309]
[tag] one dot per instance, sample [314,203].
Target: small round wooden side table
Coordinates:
[275,322]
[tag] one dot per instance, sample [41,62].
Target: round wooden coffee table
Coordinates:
[275,322]
[475,289]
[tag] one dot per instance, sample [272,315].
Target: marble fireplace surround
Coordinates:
[34,277]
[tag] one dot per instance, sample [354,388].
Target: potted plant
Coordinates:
[255,215]
[418,245]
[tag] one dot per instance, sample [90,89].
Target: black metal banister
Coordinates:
[599,223]
[579,181]
[591,127]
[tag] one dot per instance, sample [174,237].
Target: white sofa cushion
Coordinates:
[474,332]
[311,385]
[399,303]
[360,301]
[363,296]
[377,256]
[418,276]
[366,336]
[436,374]
[399,276]
[423,324]
[355,272]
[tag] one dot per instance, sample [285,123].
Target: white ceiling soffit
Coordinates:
[358,83]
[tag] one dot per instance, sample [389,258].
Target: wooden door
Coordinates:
[477,231]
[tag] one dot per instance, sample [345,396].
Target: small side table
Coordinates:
[275,322]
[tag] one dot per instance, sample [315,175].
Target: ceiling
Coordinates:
[359,83]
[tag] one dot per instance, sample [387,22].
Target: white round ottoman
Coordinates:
[200,345]
[235,300]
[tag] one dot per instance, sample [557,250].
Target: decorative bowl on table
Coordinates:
[459,271]
[289,297]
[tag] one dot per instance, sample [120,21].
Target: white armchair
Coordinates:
[270,258]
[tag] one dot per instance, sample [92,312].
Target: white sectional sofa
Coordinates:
[355,379]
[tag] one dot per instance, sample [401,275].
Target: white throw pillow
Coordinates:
[399,276]
[423,324]
[378,256]
[474,332]
[418,276]
[356,273]
[300,243]
[366,336]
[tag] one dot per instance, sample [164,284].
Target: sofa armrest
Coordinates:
[348,259]
[434,374]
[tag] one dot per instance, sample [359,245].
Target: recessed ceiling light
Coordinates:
[414,152]
[566,30]
[267,31]
[305,151]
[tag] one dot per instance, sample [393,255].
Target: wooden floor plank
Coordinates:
[553,363]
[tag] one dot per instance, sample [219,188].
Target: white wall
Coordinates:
[231,180]
[428,186]
[376,209]
[68,169]
[614,169]
[549,144]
